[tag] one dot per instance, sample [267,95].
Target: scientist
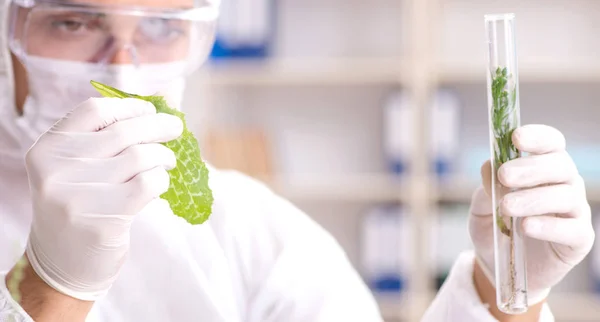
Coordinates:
[80,181]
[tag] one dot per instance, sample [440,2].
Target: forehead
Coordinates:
[165,4]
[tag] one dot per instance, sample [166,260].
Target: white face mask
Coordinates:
[56,87]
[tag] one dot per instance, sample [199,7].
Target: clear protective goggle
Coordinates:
[84,31]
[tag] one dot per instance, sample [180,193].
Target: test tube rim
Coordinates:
[499,17]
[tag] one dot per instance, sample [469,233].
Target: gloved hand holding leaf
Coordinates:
[189,195]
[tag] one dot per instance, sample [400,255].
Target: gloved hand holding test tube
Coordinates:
[504,118]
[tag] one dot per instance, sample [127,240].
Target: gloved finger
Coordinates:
[481,203]
[570,232]
[535,170]
[538,139]
[583,209]
[143,157]
[96,113]
[486,177]
[555,199]
[111,199]
[147,186]
[121,168]
[114,139]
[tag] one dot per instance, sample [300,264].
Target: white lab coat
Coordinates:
[258,259]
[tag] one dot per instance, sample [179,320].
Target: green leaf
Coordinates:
[189,194]
[504,117]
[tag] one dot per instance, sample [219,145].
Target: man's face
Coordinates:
[98,33]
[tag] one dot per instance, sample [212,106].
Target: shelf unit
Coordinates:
[306,71]
[530,73]
[433,34]
[357,188]
[373,71]
[378,188]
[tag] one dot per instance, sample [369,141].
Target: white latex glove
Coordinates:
[89,175]
[558,227]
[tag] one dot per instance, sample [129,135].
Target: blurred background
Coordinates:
[371,116]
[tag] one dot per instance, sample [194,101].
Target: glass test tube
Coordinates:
[504,118]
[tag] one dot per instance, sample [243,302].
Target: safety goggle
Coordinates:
[81,31]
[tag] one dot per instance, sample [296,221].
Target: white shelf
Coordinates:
[378,188]
[359,188]
[547,72]
[461,190]
[375,71]
[305,71]
[454,189]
